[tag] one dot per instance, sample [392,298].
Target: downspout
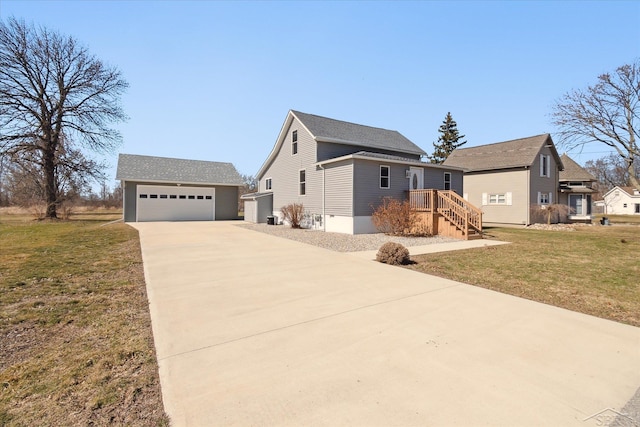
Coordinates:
[528,195]
[324,218]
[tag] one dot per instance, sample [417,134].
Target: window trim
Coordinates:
[545,166]
[294,142]
[447,181]
[302,185]
[388,177]
[268,184]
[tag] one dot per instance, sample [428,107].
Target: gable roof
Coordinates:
[502,155]
[573,171]
[132,167]
[629,190]
[341,132]
[324,129]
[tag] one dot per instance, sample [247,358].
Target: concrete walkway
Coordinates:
[252,329]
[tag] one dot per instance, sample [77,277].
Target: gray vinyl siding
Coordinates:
[339,188]
[367,192]
[541,183]
[284,172]
[328,150]
[226,200]
[434,178]
[130,200]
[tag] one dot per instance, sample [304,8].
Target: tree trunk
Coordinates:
[50,190]
[631,170]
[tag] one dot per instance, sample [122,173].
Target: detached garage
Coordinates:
[166,189]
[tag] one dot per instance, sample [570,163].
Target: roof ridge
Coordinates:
[344,121]
[503,142]
[174,158]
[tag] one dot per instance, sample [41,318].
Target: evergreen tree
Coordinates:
[448,140]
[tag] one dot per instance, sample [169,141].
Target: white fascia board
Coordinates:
[395,161]
[165,181]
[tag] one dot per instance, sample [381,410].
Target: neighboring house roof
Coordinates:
[573,171]
[631,192]
[324,129]
[502,155]
[366,155]
[132,167]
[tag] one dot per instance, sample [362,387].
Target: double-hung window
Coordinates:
[303,182]
[384,177]
[267,184]
[447,180]
[497,199]
[294,142]
[545,166]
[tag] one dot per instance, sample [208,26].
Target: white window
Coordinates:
[294,142]
[545,198]
[267,184]
[447,180]
[497,199]
[303,182]
[545,165]
[384,177]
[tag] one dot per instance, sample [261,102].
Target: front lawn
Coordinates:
[76,342]
[593,270]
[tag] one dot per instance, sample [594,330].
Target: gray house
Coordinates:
[510,181]
[166,189]
[340,172]
[576,188]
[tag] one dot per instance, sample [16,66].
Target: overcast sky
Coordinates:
[214,80]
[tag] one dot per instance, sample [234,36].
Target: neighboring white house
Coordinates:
[622,201]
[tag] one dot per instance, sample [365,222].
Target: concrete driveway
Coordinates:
[252,329]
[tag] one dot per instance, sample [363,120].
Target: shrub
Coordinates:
[293,213]
[393,253]
[395,217]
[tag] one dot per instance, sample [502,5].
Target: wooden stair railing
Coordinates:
[459,212]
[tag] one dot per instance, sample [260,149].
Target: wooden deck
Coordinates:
[444,212]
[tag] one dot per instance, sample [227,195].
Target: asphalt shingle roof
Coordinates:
[331,130]
[573,171]
[501,155]
[132,167]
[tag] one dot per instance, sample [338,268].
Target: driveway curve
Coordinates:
[252,329]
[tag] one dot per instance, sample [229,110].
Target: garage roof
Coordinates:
[132,167]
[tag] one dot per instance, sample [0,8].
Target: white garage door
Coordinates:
[164,203]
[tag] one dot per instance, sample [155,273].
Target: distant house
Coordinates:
[510,181]
[622,201]
[576,188]
[166,189]
[340,172]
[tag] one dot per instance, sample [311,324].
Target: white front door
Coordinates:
[416,178]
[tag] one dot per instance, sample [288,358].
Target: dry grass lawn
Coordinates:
[77,347]
[593,270]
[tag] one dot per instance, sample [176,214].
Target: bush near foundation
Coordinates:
[393,253]
[293,213]
[396,218]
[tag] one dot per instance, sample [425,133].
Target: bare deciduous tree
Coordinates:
[55,98]
[607,113]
